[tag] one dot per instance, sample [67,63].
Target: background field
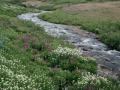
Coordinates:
[100,18]
[31,60]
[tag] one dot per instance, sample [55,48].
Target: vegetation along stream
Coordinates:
[108,60]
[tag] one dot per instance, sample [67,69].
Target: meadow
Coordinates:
[32,60]
[103,20]
[75,1]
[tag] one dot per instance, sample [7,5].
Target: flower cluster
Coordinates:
[67,51]
[13,77]
[91,79]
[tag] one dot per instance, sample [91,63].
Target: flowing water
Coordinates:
[108,60]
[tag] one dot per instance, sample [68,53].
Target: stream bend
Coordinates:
[108,60]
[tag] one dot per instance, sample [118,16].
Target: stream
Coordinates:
[108,60]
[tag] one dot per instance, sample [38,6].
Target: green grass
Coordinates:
[106,27]
[67,1]
[27,60]
[75,1]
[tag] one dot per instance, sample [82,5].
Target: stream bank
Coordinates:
[108,60]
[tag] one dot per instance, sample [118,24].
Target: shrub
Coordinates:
[38,46]
[112,39]
[95,82]
[63,78]
[71,61]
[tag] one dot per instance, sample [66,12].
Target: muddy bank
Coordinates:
[108,60]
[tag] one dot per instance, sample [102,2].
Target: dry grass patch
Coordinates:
[92,6]
[107,11]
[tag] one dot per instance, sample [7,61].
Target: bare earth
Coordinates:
[93,6]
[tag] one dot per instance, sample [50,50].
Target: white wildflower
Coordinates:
[88,78]
[67,51]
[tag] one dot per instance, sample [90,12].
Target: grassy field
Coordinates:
[76,1]
[32,60]
[102,19]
